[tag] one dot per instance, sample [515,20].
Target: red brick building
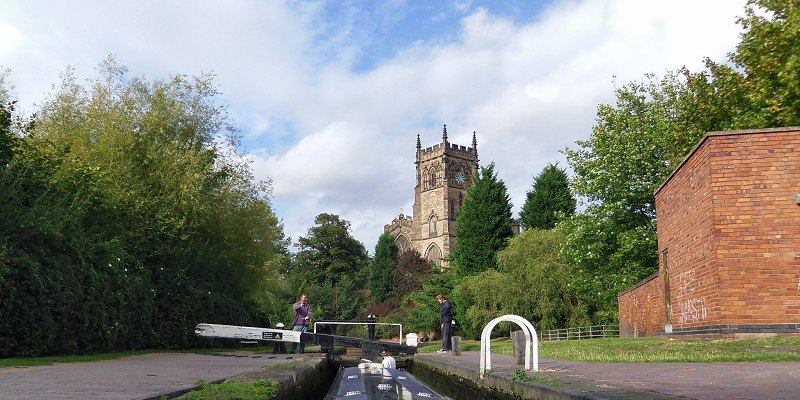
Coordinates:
[728,241]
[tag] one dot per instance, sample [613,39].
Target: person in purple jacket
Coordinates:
[302,317]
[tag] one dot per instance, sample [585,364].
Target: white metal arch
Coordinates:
[531,342]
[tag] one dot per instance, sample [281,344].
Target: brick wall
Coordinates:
[729,239]
[757,226]
[684,207]
[641,308]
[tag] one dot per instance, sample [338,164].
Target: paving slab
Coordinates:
[712,381]
[136,377]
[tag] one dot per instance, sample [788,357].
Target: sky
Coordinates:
[330,95]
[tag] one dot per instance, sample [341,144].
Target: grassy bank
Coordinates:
[656,349]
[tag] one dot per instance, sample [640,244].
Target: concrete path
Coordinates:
[137,377]
[714,381]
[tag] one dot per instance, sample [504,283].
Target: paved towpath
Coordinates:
[135,377]
[152,375]
[713,381]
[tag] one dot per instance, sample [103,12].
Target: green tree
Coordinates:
[124,224]
[532,280]
[638,142]
[635,144]
[382,267]
[332,267]
[8,141]
[484,225]
[535,264]
[548,201]
[759,87]
[329,252]
[191,208]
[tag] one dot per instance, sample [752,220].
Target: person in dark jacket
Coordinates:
[446,319]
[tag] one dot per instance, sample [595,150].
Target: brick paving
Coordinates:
[153,375]
[137,377]
[712,381]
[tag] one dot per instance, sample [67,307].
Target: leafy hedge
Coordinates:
[102,255]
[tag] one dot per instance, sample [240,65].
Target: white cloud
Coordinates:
[336,140]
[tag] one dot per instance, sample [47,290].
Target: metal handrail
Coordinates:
[531,342]
[590,332]
[359,323]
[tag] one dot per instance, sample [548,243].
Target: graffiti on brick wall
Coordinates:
[693,310]
[692,307]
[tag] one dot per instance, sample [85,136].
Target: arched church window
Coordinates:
[425,179]
[434,182]
[402,243]
[434,255]
[432,226]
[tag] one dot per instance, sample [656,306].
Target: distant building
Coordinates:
[444,173]
[728,241]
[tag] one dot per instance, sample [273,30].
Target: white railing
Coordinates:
[359,323]
[531,342]
[586,332]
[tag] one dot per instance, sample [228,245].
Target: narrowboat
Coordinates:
[370,381]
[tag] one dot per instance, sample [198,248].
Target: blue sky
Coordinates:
[329,96]
[378,30]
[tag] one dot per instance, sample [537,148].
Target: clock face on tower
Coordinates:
[460,178]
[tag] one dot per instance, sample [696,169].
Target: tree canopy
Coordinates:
[549,200]
[127,217]
[759,86]
[632,149]
[532,280]
[331,267]
[328,252]
[637,142]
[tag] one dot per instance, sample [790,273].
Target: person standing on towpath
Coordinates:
[302,317]
[446,319]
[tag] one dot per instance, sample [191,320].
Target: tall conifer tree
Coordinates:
[549,198]
[382,268]
[484,225]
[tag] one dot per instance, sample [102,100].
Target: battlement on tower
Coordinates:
[436,149]
[397,224]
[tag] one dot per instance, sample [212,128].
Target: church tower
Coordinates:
[444,173]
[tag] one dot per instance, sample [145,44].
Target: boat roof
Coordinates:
[371,381]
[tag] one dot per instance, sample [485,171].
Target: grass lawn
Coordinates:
[784,348]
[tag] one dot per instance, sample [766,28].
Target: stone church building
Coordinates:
[444,173]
